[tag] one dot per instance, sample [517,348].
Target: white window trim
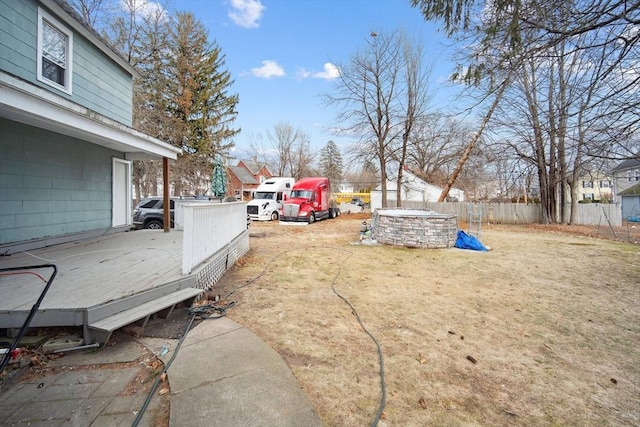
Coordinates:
[128,186]
[67,88]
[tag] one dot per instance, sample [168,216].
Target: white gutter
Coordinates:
[31,105]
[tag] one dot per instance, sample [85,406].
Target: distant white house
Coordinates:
[413,188]
[595,185]
[345,187]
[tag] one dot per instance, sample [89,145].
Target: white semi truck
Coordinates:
[268,198]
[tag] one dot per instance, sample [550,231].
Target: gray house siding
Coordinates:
[98,83]
[18,38]
[51,184]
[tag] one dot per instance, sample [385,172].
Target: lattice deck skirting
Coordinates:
[223,260]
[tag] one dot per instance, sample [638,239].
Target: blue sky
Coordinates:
[282,55]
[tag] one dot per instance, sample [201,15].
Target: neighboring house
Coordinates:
[595,186]
[626,174]
[245,177]
[345,187]
[416,189]
[626,182]
[241,182]
[66,141]
[260,171]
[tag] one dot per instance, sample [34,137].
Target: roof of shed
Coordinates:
[631,191]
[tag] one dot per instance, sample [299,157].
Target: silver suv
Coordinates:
[150,213]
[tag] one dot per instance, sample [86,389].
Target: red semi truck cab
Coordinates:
[310,200]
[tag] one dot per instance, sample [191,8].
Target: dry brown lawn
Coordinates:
[543,330]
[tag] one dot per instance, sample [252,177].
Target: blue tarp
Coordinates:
[464,241]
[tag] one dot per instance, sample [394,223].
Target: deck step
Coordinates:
[142,311]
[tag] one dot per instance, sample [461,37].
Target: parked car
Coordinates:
[357,201]
[150,213]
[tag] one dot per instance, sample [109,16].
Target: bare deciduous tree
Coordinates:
[435,145]
[553,54]
[290,153]
[366,97]
[415,96]
[302,158]
[568,94]
[283,139]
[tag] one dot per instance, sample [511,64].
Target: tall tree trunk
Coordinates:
[399,186]
[467,151]
[555,172]
[383,182]
[577,167]
[562,132]
[403,158]
[538,142]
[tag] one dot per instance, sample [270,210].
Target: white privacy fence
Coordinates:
[208,227]
[520,213]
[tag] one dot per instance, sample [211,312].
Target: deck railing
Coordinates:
[208,227]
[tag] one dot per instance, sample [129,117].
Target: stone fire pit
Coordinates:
[415,228]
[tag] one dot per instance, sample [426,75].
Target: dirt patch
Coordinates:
[541,330]
[173,327]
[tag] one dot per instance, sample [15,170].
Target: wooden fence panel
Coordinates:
[520,213]
[604,214]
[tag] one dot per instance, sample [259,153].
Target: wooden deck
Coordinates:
[104,283]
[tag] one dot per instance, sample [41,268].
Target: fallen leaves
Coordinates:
[423,403]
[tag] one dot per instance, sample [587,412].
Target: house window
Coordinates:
[605,184]
[587,184]
[55,47]
[587,196]
[637,175]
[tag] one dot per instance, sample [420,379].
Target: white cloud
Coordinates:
[246,13]
[329,72]
[268,70]
[301,73]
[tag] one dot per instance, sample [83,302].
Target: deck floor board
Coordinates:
[93,271]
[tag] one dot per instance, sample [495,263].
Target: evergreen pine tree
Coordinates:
[331,162]
[200,107]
